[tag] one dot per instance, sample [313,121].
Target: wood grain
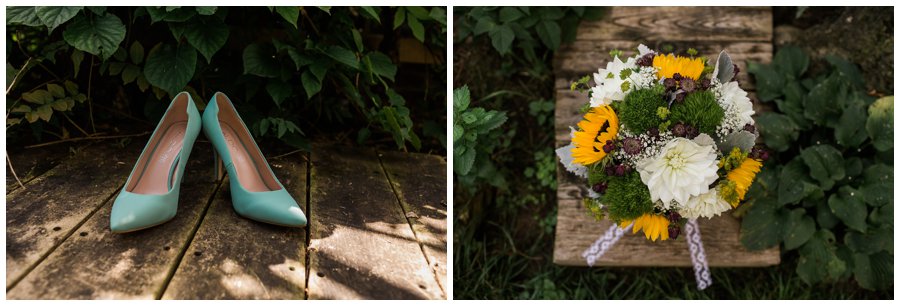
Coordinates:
[361,246]
[55,204]
[95,263]
[420,182]
[232,257]
[680,23]
[745,33]
[31,163]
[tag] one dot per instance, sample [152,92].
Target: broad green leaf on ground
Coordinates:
[793,183]
[508,14]
[800,228]
[791,62]
[98,35]
[778,131]
[878,185]
[24,15]
[259,60]
[847,71]
[769,83]
[874,271]
[824,217]
[822,161]
[207,35]
[851,132]
[289,13]
[869,243]
[847,204]
[880,124]
[820,101]
[764,225]
[463,161]
[170,67]
[818,260]
[53,16]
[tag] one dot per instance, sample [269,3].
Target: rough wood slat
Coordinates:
[707,29]
[680,23]
[420,181]
[95,263]
[232,257]
[582,58]
[361,246]
[53,205]
[31,163]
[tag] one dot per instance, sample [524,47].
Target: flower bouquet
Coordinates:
[665,139]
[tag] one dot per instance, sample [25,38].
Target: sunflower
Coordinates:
[743,176]
[670,64]
[599,125]
[654,226]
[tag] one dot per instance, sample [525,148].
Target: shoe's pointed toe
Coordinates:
[132,212]
[274,207]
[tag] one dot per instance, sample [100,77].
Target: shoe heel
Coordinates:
[218,168]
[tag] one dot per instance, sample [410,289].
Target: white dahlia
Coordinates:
[736,104]
[706,205]
[609,82]
[681,170]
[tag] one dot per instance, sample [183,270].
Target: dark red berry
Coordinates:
[609,146]
[620,170]
[680,97]
[674,231]
[690,131]
[611,170]
[600,187]
[704,84]
[646,60]
[677,76]
[669,84]
[654,132]
[674,216]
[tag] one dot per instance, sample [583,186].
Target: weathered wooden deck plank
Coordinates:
[31,163]
[53,205]
[232,257]
[709,30]
[420,181]
[361,246]
[95,263]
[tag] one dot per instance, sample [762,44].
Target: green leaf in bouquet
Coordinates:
[822,161]
[793,183]
[764,225]
[724,70]
[847,204]
[777,130]
[791,61]
[799,229]
[880,124]
[878,185]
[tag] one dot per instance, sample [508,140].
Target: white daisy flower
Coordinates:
[609,82]
[706,205]
[683,169]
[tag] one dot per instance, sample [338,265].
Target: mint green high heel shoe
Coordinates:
[255,191]
[150,196]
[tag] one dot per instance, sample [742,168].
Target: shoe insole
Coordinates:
[249,174]
[160,168]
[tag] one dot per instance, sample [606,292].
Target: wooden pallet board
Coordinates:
[364,246]
[361,245]
[746,33]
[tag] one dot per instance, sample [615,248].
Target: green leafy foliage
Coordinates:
[638,112]
[627,197]
[473,134]
[286,66]
[830,199]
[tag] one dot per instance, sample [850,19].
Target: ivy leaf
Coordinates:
[170,67]
[799,229]
[502,38]
[260,60]
[98,35]
[278,90]
[880,124]
[343,56]
[877,188]
[778,131]
[53,16]
[847,204]
[289,13]
[764,225]
[549,33]
[207,35]
[24,15]
[311,84]
[381,65]
[821,160]
[416,27]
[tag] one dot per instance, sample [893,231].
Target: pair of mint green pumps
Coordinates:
[150,196]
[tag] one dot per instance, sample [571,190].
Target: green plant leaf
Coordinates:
[381,65]
[207,35]
[98,35]
[846,71]
[416,27]
[880,124]
[818,260]
[206,10]
[260,60]
[56,90]
[874,271]
[549,33]
[438,14]
[847,204]
[791,61]
[462,162]
[289,13]
[399,17]
[170,67]
[461,99]
[502,38]
[824,217]
[877,188]
[799,229]
[418,12]
[357,40]
[764,224]
[39,96]
[53,16]
[851,132]
[130,73]
[311,84]
[769,82]
[136,52]
[45,112]
[821,160]
[343,56]
[279,90]
[508,14]
[371,12]
[819,104]
[869,243]
[778,131]
[24,15]
[793,184]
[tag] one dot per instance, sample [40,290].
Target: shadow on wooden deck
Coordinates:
[377,230]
